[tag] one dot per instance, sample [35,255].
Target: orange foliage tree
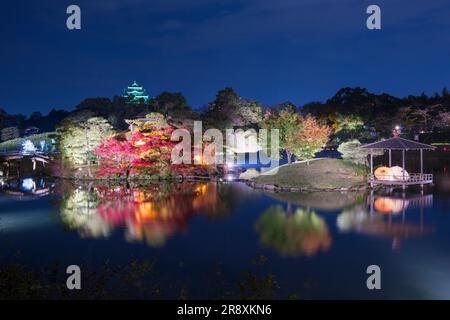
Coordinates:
[311,137]
[299,136]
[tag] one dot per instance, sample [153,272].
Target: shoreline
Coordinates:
[276,188]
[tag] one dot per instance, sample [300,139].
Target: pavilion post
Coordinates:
[371,163]
[403,161]
[403,167]
[421,161]
[390,158]
[421,169]
[371,202]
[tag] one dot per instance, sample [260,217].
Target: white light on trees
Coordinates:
[28,147]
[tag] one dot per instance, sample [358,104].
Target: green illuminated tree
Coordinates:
[351,150]
[347,123]
[249,112]
[80,136]
[288,124]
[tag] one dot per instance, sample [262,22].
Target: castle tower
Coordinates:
[135,94]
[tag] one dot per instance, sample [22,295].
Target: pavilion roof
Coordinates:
[397,143]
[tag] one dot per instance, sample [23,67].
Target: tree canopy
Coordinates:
[300,136]
[80,136]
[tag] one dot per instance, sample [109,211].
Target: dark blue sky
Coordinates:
[269,50]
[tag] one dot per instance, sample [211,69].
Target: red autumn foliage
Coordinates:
[116,156]
[144,152]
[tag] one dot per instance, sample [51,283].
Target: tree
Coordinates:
[356,101]
[95,105]
[299,136]
[311,137]
[349,123]
[443,120]
[80,136]
[153,121]
[288,124]
[9,133]
[223,109]
[154,151]
[249,113]
[422,117]
[286,106]
[229,110]
[351,150]
[147,151]
[3,116]
[116,156]
[170,104]
[35,116]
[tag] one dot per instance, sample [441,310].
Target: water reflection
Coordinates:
[291,234]
[304,225]
[321,200]
[383,215]
[388,216]
[388,205]
[78,211]
[150,213]
[31,186]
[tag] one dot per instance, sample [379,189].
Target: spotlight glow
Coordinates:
[28,184]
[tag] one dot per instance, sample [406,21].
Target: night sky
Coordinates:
[269,50]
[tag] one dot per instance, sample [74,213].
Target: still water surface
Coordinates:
[226,240]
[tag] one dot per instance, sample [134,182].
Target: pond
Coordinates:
[223,240]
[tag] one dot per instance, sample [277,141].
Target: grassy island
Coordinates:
[324,174]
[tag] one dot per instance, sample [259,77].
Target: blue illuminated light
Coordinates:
[28,184]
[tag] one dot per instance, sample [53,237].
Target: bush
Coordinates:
[351,151]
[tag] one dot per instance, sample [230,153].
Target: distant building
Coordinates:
[9,133]
[135,94]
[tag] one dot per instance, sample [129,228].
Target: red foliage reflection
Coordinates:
[154,213]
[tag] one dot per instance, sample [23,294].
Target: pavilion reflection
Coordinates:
[305,232]
[149,213]
[30,187]
[388,216]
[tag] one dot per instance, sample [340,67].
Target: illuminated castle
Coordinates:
[135,94]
